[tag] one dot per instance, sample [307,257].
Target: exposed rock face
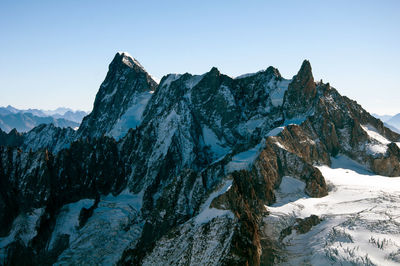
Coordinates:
[126,81]
[301,92]
[13,138]
[301,226]
[192,177]
[389,165]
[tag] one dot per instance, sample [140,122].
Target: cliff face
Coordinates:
[190,181]
[125,91]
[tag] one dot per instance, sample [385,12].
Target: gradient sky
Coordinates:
[56,53]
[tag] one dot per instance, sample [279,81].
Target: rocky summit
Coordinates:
[189,171]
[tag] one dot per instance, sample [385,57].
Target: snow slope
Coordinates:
[361,218]
[132,117]
[23,228]
[106,234]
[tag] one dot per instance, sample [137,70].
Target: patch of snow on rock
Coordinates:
[23,228]
[132,117]
[243,160]
[278,93]
[275,131]
[169,79]
[207,214]
[216,146]
[114,225]
[379,144]
[373,133]
[129,60]
[193,81]
[68,220]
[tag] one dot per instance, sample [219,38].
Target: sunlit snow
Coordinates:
[207,214]
[361,218]
[379,144]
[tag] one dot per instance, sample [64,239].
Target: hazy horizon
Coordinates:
[57,54]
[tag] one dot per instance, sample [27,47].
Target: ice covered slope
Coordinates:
[360,218]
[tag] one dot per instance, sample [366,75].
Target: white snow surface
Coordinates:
[107,232]
[361,218]
[379,142]
[129,60]
[68,220]
[132,117]
[373,133]
[207,214]
[244,160]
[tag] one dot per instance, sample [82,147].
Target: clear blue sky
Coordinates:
[56,53]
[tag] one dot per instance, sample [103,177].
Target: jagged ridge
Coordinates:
[207,154]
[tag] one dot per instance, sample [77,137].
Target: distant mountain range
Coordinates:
[390,121]
[25,120]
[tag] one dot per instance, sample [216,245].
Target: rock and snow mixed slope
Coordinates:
[121,99]
[182,172]
[360,218]
[118,107]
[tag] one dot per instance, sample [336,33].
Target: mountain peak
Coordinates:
[214,71]
[274,71]
[301,91]
[305,76]
[305,66]
[127,84]
[305,72]
[126,59]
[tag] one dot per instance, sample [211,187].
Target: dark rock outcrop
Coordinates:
[11,139]
[301,226]
[301,93]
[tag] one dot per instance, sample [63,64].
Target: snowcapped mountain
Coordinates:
[25,120]
[75,116]
[392,122]
[384,118]
[204,169]
[121,99]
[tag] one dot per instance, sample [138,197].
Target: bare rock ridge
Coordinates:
[301,92]
[178,173]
